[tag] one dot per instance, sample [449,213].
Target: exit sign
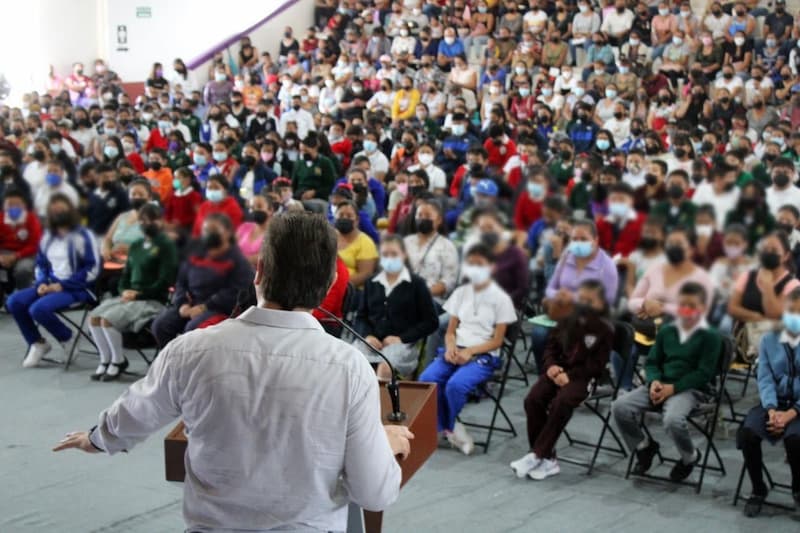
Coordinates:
[143,12]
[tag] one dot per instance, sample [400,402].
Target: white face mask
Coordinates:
[477,274]
[425,159]
[739,41]
[704,230]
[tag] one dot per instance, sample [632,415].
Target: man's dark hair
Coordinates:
[298,258]
[692,288]
[481,250]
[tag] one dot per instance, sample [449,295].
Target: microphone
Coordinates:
[392,387]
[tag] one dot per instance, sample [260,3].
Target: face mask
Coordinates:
[15,213]
[547,91]
[370,146]
[780,180]
[675,192]
[733,252]
[650,179]
[791,321]
[739,41]
[177,185]
[778,140]
[150,230]
[634,42]
[603,144]
[648,243]
[345,226]
[459,130]
[536,190]
[704,230]
[477,274]
[578,91]
[258,216]
[685,14]
[61,219]
[110,151]
[425,226]
[677,41]
[53,180]
[618,210]
[200,160]
[771,43]
[155,165]
[147,117]
[219,156]
[675,254]
[55,148]
[248,160]
[212,240]
[611,93]
[525,92]
[220,76]
[580,249]
[520,70]
[490,239]
[449,40]
[663,12]
[215,195]
[392,265]
[769,260]
[688,315]
[623,70]
[425,159]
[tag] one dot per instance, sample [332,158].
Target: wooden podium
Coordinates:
[417,400]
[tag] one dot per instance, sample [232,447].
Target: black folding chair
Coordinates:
[623,344]
[141,342]
[704,419]
[78,325]
[498,380]
[523,375]
[772,485]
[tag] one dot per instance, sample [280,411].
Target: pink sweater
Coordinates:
[651,287]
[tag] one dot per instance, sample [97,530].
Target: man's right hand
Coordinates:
[399,440]
[374,342]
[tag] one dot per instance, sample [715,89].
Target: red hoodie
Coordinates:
[23,238]
[229,206]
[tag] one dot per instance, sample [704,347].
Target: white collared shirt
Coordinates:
[684,335]
[388,287]
[283,421]
[792,341]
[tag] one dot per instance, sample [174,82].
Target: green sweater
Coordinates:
[318,174]
[684,217]
[150,270]
[690,365]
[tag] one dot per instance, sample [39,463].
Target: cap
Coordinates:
[487,187]
[345,190]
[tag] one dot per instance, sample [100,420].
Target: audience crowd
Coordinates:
[573,162]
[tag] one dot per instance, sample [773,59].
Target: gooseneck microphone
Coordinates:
[392,387]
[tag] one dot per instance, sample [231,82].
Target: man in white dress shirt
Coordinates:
[283,420]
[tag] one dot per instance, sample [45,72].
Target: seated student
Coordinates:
[577,350]
[677,209]
[396,311]
[510,262]
[20,232]
[727,269]
[107,201]
[356,249]
[344,193]
[403,215]
[54,183]
[144,289]
[209,282]
[708,247]
[283,188]
[480,312]
[123,232]
[619,232]
[252,176]
[775,418]
[67,264]
[250,234]
[158,173]
[334,301]
[528,208]
[679,368]
[217,201]
[182,205]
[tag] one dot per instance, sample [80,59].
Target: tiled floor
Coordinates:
[72,492]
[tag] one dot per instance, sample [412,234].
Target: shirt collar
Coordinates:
[280,319]
[785,338]
[632,215]
[683,335]
[384,280]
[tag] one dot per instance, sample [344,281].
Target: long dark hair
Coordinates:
[573,326]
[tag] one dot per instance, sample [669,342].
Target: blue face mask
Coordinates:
[791,321]
[370,146]
[603,144]
[200,160]
[111,152]
[392,265]
[53,180]
[219,157]
[535,190]
[618,209]
[580,249]
[15,213]
[215,195]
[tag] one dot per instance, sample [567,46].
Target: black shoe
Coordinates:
[97,376]
[682,470]
[753,506]
[121,367]
[644,458]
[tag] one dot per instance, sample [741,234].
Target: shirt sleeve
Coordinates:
[506,314]
[147,405]
[453,304]
[371,473]
[367,250]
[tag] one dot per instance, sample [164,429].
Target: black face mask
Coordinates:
[416,191]
[770,157]
[155,165]
[212,240]
[109,185]
[651,149]
[675,192]
[38,155]
[619,115]
[636,131]
[62,219]
[258,216]
[599,193]
[149,230]
[248,160]
[566,155]
[307,157]
[425,226]
[769,260]
[345,226]
[680,152]
[409,145]
[490,239]
[786,228]
[707,146]
[650,179]
[780,180]
[359,188]
[648,243]
[675,254]
[748,202]
[296,107]
[697,179]
[476,168]
[138,203]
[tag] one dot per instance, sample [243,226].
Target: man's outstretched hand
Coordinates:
[79,440]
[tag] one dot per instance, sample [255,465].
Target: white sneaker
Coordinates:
[521,467]
[459,438]
[35,354]
[545,469]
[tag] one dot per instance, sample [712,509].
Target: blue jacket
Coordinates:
[582,135]
[778,379]
[377,191]
[84,260]
[262,176]
[364,224]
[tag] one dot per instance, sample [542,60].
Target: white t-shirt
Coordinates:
[777,199]
[723,202]
[750,90]
[378,163]
[479,313]
[731,84]
[436,176]
[535,21]
[58,255]
[620,129]
[717,26]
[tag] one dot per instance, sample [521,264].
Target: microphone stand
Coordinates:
[392,387]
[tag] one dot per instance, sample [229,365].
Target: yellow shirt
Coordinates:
[361,249]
